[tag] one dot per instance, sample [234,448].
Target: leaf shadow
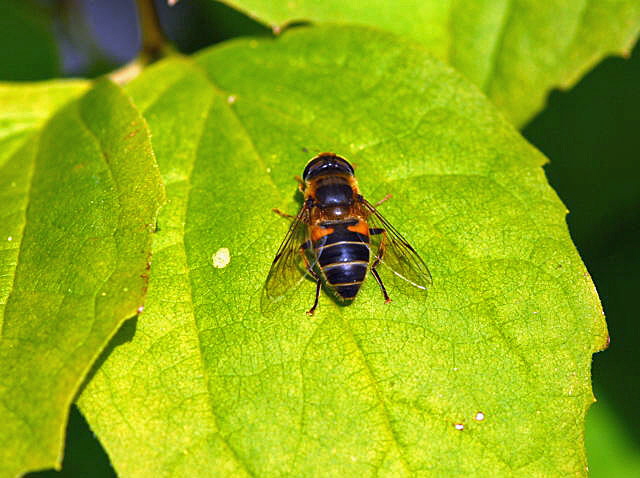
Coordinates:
[124,335]
[84,455]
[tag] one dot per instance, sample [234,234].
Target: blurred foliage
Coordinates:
[612,451]
[195,24]
[28,50]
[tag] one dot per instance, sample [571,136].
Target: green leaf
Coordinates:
[515,50]
[207,385]
[80,194]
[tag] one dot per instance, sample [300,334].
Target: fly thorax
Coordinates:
[336,212]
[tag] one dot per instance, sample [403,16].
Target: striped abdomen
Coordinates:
[342,249]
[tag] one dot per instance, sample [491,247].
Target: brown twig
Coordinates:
[153,40]
[154,43]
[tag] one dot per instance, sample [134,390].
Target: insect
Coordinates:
[331,239]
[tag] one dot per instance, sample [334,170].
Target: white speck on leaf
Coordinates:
[9,238]
[479,416]
[459,426]
[221,258]
[140,309]
[231,99]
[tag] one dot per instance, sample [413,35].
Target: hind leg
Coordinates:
[376,262]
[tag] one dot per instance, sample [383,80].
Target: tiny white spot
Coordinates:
[536,312]
[268,170]
[479,416]
[459,426]
[9,238]
[103,294]
[221,258]
[455,369]
[140,309]
[231,99]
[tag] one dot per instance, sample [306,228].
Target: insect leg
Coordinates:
[300,184]
[377,260]
[303,249]
[384,199]
[315,303]
[283,214]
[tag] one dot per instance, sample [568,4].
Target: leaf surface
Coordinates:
[514,50]
[488,375]
[80,193]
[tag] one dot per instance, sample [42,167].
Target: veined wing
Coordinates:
[288,268]
[395,252]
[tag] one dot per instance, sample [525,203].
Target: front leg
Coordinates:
[283,214]
[383,200]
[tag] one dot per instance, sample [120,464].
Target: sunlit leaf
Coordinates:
[488,375]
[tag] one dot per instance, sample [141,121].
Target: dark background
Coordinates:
[591,134]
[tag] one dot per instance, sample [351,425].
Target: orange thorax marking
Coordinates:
[318,232]
[361,228]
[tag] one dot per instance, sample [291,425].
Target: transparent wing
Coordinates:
[288,268]
[395,252]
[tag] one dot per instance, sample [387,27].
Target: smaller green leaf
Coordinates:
[79,204]
[515,50]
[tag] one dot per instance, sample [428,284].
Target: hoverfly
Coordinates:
[331,237]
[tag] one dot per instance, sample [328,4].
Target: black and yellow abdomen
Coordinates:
[342,250]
